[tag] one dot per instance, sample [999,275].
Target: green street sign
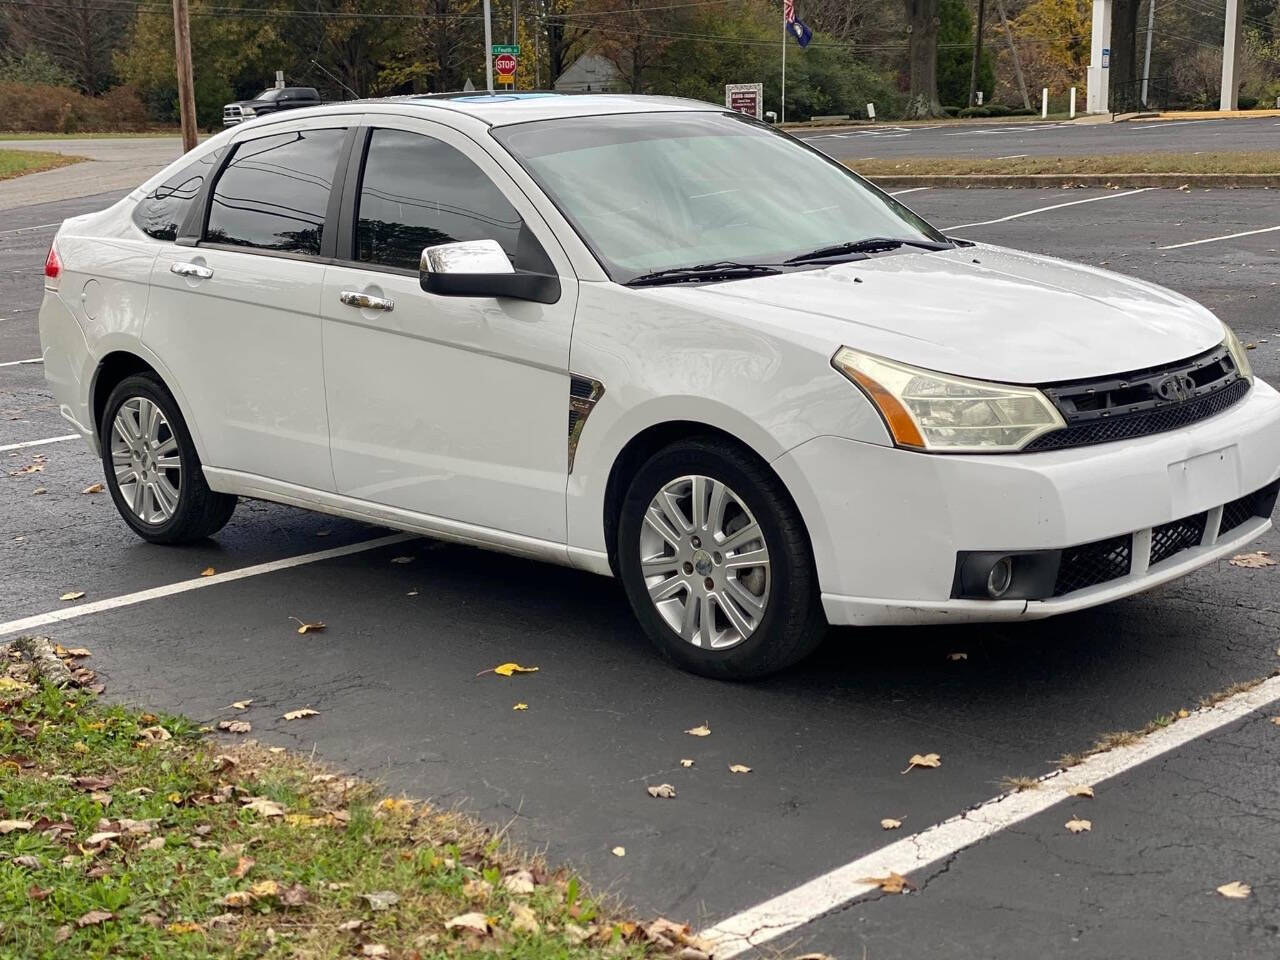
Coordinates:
[511,48]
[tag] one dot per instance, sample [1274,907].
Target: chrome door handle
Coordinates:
[191,270]
[365,301]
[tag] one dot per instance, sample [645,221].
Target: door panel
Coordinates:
[449,406]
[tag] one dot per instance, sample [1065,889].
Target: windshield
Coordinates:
[269,94]
[652,191]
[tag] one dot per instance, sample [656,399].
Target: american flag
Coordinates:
[789,11]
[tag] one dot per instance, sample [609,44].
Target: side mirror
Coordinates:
[480,268]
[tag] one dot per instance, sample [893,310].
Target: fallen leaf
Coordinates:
[348,926]
[402,559]
[381,899]
[923,760]
[523,919]
[304,627]
[686,763]
[1080,790]
[519,883]
[299,714]
[94,917]
[93,488]
[264,807]
[1260,558]
[663,791]
[37,892]
[237,899]
[888,823]
[1235,890]
[666,933]
[294,896]
[521,706]
[62,933]
[474,922]
[101,837]
[893,883]
[375,950]
[155,843]
[1276,721]
[101,797]
[1079,826]
[155,734]
[208,572]
[73,595]
[815,956]
[184,926]
[243,866]
[78,652]
[235,726]
[739,768]
[477,889]
[28,861]
[264,889]
[699,731]
[957,656]
[241,704]
[94,783]
[507,669]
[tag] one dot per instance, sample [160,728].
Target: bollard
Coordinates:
[1073,103]
[1044,103]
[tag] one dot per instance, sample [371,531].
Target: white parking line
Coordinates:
[183,586]
[1056,206]
[16,363]
[38,226]
[898,193]
[1229,236]
[783,914]
[39,443]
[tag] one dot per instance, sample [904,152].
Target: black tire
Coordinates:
[200,512]
[793,622]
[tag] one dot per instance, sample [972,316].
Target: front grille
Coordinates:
[1177,535]
[1260,503]
[1144,402]
[1093,563]
[1143,424]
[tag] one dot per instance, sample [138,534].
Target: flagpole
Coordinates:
[784,61]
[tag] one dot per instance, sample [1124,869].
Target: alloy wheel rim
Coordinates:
[146,461]
[705,562]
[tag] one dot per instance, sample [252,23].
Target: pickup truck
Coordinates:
[269,101]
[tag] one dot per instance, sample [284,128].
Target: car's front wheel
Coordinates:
[152,468]
[716,562]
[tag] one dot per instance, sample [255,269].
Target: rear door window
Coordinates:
[274,192]
[160,213]
[418,191]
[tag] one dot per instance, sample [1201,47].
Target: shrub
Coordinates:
[975,112]
[999,109]
[1247,103]
[1023,112]
[40,108]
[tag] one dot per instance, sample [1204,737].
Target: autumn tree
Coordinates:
[922,57]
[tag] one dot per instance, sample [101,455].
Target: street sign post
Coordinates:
[505,65]
[745,98]
[501,48]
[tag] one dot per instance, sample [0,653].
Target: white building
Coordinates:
[591,73]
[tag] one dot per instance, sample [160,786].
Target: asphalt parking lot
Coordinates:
[397,675]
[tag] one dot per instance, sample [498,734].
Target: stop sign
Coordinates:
[505,64]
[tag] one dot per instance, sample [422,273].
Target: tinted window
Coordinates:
[160,213]
[274,192]
[417,192]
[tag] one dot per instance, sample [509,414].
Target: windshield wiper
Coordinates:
[720,270]
[869,245]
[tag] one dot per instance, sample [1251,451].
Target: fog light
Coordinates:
[1000,578]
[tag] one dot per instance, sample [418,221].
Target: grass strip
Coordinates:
[16,163]
[132,834]
[1243,162]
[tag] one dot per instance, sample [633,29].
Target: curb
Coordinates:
[1228,181]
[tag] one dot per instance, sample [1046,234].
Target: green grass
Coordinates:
[167,886]
[1199,163]
[15,163]
[175,132]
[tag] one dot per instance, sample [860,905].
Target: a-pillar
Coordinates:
[1230,57]
[1098,80]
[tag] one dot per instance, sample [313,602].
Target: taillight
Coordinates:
[52,266]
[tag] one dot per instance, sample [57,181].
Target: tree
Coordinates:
[80,37]
[564,37]
[922,56]
[632,39]
[955,55]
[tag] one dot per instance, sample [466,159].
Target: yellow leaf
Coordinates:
[174,797]
[1260,558]
[73,595]
[80,747]
[78,652]
[264,888]
[93,488]
[241,704]
[686,762]
[521,706]
[235,726]
[507,669]
[299,714]
[303,820]
[888,823]
[1235,890]
[923,760]
[699,731]
[10,685]
[304,627]
[664,791]
[238,899]
[1080,790]
[523,919]
[1276,721]
[184,926]
[208,572]
[619,851]
[893,883]
[1079,826]
[739,768]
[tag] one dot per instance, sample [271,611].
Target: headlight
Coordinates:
[1238,353]
[945,414]
[247,112]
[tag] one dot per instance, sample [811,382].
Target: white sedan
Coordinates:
[650,339]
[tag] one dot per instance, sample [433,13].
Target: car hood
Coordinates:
[979,311]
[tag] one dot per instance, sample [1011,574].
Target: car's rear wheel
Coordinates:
[152,468]
[716,562]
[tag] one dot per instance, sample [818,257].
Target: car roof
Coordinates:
[499,109]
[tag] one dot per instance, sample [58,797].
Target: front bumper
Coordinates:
[887,524]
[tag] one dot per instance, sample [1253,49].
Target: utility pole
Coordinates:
[1146,60]
[488,48]
[1013,52]
[977,53]
[186,85]
[515,22]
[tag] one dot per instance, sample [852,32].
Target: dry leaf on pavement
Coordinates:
[73,595]
[1080,790]
[1259,558]
[94,917]
[1079,826]
[664,791]
[299,714]
[1235,890]
[893,883]
[474,922]
[93,488]
[699,731]
[508,669]
[521,706]
[241,704]
[739,768]
[923,760]
[619,851]
[402,559]
[208,572]
[235,726]
[686,762]
[78,652]
[304,627]
[1276,721]
[889,823]
[957,656]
